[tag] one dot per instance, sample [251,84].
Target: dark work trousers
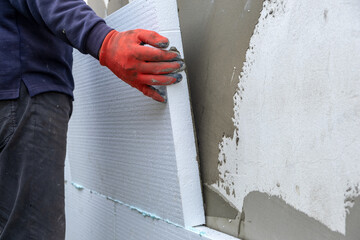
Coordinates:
[32,154]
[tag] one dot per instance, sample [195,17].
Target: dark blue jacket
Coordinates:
[36,40]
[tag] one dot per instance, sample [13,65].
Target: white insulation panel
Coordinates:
[91,216]
[128,147]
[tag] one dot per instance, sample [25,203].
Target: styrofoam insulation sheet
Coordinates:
[126,146]
[92,216]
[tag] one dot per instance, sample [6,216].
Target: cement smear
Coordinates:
[217,206]
[268,217]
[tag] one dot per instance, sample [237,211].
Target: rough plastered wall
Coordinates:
[291,165]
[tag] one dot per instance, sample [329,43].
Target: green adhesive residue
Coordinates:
[142,212]
[77,186]
[194,230]
[202,233]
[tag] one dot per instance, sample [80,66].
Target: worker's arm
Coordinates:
[124,53]
[73,21]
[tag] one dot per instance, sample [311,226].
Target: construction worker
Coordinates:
[36,93]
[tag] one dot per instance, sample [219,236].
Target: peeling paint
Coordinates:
[297,111]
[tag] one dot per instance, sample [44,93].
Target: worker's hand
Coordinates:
[141,66]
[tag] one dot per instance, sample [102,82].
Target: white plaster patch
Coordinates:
[297,111]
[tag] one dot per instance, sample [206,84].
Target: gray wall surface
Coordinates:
[216,36]
[103,9]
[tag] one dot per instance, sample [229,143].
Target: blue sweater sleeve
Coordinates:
[73,21]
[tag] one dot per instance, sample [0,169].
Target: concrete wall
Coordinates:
[275,93]
[104,8]
[216,36]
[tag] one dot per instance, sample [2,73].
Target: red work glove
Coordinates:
[141,66]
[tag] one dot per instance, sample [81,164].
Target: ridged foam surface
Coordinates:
[128,147]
